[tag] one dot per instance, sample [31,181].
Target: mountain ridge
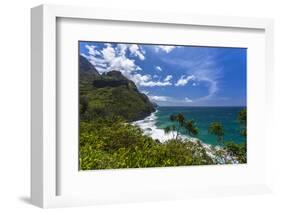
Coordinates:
[86,67]
[110,94]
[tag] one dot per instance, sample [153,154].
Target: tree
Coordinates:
[242,119]
[170,129]
[188,125]
[191,128]
[84,104]
[217,129]
[179,119]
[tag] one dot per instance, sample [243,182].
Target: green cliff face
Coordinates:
[110,95]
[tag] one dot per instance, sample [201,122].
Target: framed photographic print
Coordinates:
[151,105]
[134,106]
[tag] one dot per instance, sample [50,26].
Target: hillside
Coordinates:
[86,67]
[109,95]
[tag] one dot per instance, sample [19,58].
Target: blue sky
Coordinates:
[176,75]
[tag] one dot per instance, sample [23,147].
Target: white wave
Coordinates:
[148,125]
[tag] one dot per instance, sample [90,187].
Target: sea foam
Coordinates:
[148,125]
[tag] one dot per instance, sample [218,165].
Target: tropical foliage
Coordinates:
[242,118]
[109,102]
[112,94]
[239,151]
[217,129]
[181,123]
[112,143]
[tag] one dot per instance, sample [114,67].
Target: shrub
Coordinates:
[112,143]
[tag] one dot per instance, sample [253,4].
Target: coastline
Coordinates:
[148,125]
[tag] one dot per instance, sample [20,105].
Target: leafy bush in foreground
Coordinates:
[237,150]
[111,143]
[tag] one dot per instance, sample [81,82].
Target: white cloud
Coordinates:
[188,100]
[170,100]
[146,81]
[136,51]
[139,79]
[110,58]
[99,63]
[155,83]
[168,78]
[108,53]
[194,84]
[92,50]
[122,48]
[158,98]
[158,68]
[164,48]
[203,67]
[114,58]
[184,80]
[145,92]
[212,88]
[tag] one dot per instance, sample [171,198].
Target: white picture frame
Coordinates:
[44,154]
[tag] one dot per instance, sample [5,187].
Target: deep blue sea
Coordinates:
[203,117]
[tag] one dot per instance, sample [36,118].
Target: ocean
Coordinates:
[154,124]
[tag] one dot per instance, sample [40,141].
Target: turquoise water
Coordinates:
[203,117]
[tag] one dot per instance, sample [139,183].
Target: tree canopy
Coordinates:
[216,129]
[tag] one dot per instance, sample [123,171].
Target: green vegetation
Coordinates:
[111,144]
[217,129]
[240,150]
[112,94]
[110,101]
[181,123]
[237,150]
[242,118]
[191,128]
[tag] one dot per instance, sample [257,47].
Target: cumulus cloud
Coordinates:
[139,79]
[184,80]
[164,48]
[108,53]
[158,68]
[115,58]
[158,98]
[92,50]
[133,49]
[168,78]
[136,51]
[146,81]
